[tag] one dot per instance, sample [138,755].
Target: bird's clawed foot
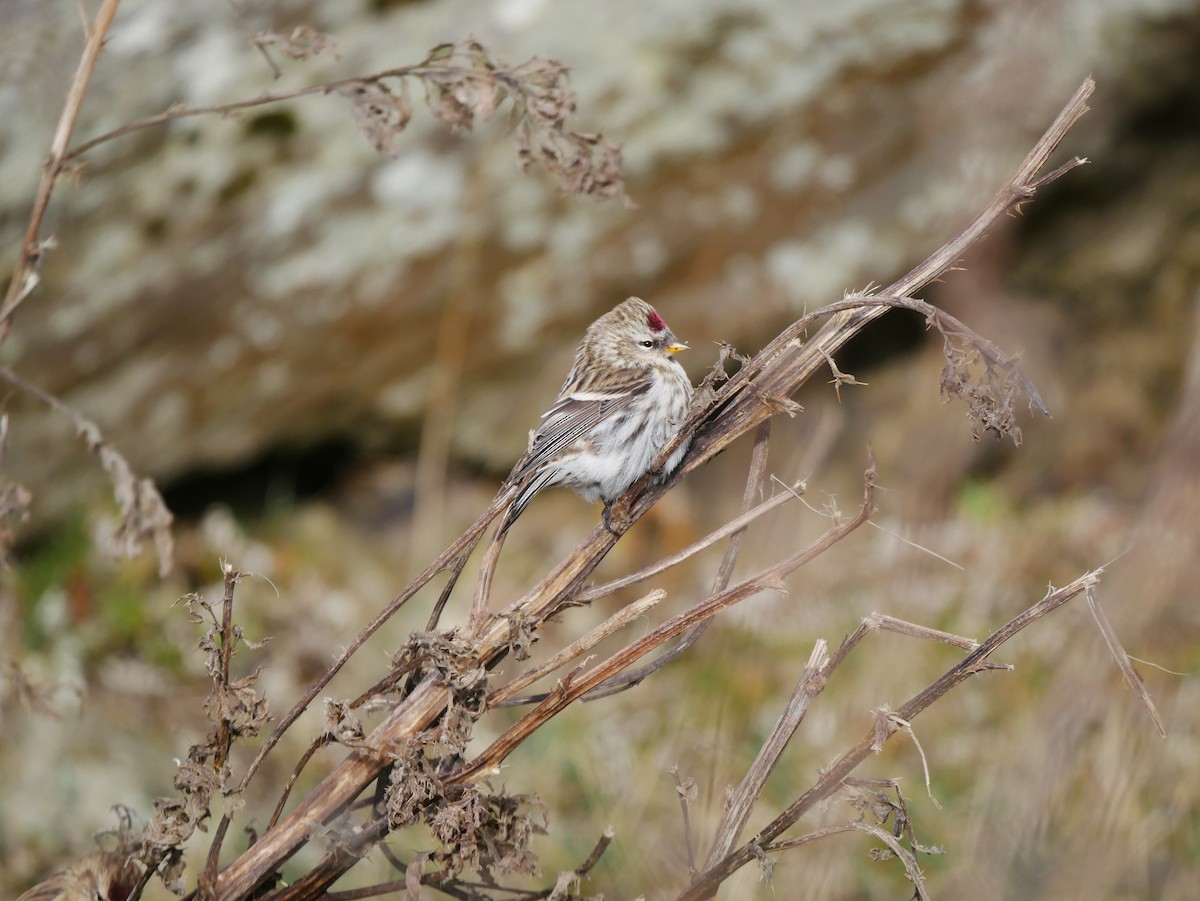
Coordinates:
[616,518]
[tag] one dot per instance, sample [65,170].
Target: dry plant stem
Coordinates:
[831,778]
[224,739]
[435,615]
[58,158]
[785,362]
[144,517]
[597,852]
[905,857]
[755,482]
[877,622]
[595,592]
[207,885]
[1132,679]
[741,803]
[240,15]
[950,325]
[207,882]
[483,583]
[224,109]
[312,749]
[760,389]
[503,697]
[569,691]
[683,788]
[452,556]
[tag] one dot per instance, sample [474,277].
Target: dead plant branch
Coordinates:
[834,776]
[740,804]
[144,517]
[503,697]
[910,862]
[876,622]
[463,84]
[30,251]
[686,790]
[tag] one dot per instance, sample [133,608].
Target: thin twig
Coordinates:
[503,696]
[206,885]
[144,515]
[224,739]
[315,745]
[58,158]
[419,70]
[562,885]
[904,725]
[595,592]
[876,622]
[477,618]
[684,789]
[435,615]
[240,15]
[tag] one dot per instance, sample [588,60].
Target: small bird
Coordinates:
[622,403]
[103,876]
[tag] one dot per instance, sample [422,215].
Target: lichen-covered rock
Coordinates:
[226,285]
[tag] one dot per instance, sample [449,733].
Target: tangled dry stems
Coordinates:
[439,684]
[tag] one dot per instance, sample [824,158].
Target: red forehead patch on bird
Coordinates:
[655,321]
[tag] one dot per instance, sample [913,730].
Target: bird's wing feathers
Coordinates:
[576,413]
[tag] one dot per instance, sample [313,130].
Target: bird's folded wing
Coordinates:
[577,413]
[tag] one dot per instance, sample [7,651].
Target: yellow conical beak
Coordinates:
[675,347]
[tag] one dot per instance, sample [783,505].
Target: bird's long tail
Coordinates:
[540,479]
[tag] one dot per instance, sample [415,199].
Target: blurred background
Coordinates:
[328,359]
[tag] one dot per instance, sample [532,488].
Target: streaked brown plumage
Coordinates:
[103,876]
[621,404]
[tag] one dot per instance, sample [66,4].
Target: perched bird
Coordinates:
[623,401]
[103,876]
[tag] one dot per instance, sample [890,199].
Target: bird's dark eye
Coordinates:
[646,343]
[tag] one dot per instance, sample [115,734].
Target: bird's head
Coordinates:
[632,334]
